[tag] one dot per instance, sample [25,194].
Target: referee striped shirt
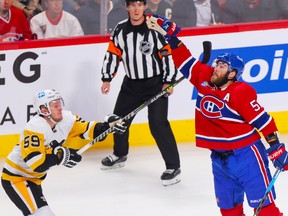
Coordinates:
[142,52]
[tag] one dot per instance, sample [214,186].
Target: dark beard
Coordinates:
[220,82]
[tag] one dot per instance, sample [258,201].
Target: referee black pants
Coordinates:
[132,94]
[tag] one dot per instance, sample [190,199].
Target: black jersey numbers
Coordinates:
[32,140]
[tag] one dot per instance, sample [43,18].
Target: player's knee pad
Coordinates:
[269,210]
[43,211]
[236,211]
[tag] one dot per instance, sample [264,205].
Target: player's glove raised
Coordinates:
[67,156]
[163,25]
[279,156]
[116,122]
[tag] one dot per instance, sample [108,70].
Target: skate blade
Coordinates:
[115,166]
[171,181]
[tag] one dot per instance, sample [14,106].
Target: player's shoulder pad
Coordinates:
[243,89]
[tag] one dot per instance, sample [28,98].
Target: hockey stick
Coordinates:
[275,176]
[131,114]
[207,49]
[207,46]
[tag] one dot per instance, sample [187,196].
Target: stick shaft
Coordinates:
[131,114]
[270,186]
[207,48]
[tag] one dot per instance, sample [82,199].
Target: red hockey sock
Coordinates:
[270,210]
[236,211]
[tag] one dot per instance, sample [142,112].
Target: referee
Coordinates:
[147,73]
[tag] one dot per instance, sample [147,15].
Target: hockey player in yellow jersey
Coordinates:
[41,147]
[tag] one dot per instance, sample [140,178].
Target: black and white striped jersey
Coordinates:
[144,53]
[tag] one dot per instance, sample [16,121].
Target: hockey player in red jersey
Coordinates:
[228,117]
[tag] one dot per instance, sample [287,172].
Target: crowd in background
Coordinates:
[32,19]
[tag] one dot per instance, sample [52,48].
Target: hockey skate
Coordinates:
[113,162]
[171,176]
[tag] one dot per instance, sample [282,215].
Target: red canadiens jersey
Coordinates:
[226,119]
[15,27]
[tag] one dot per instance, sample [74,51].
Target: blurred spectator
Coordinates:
[239,11]
[221,2]
[89,15]
[283,7]
[54,22]
[170,1]
[184,13]
[29,7]
[117,13]
[13,23]
[160,7]
[189,13]
[71,6]
[207,12]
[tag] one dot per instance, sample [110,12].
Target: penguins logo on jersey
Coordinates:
[145,47]
[211,106]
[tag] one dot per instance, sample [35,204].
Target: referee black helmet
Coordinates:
[129,1]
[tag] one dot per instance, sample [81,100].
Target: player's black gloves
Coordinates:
[116,122]
[67,156]
[279,156]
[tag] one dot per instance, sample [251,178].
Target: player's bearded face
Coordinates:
[219,74]
[56,108]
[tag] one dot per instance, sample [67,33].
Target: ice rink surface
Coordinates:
[136,190]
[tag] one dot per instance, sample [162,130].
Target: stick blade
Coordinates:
[207,49]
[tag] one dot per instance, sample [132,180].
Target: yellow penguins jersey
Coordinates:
[27,159]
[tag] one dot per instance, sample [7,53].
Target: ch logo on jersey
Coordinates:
[145,47]
[211,106]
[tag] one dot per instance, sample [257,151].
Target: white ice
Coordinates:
[135,190]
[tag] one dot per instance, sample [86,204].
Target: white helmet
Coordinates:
[43,98]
